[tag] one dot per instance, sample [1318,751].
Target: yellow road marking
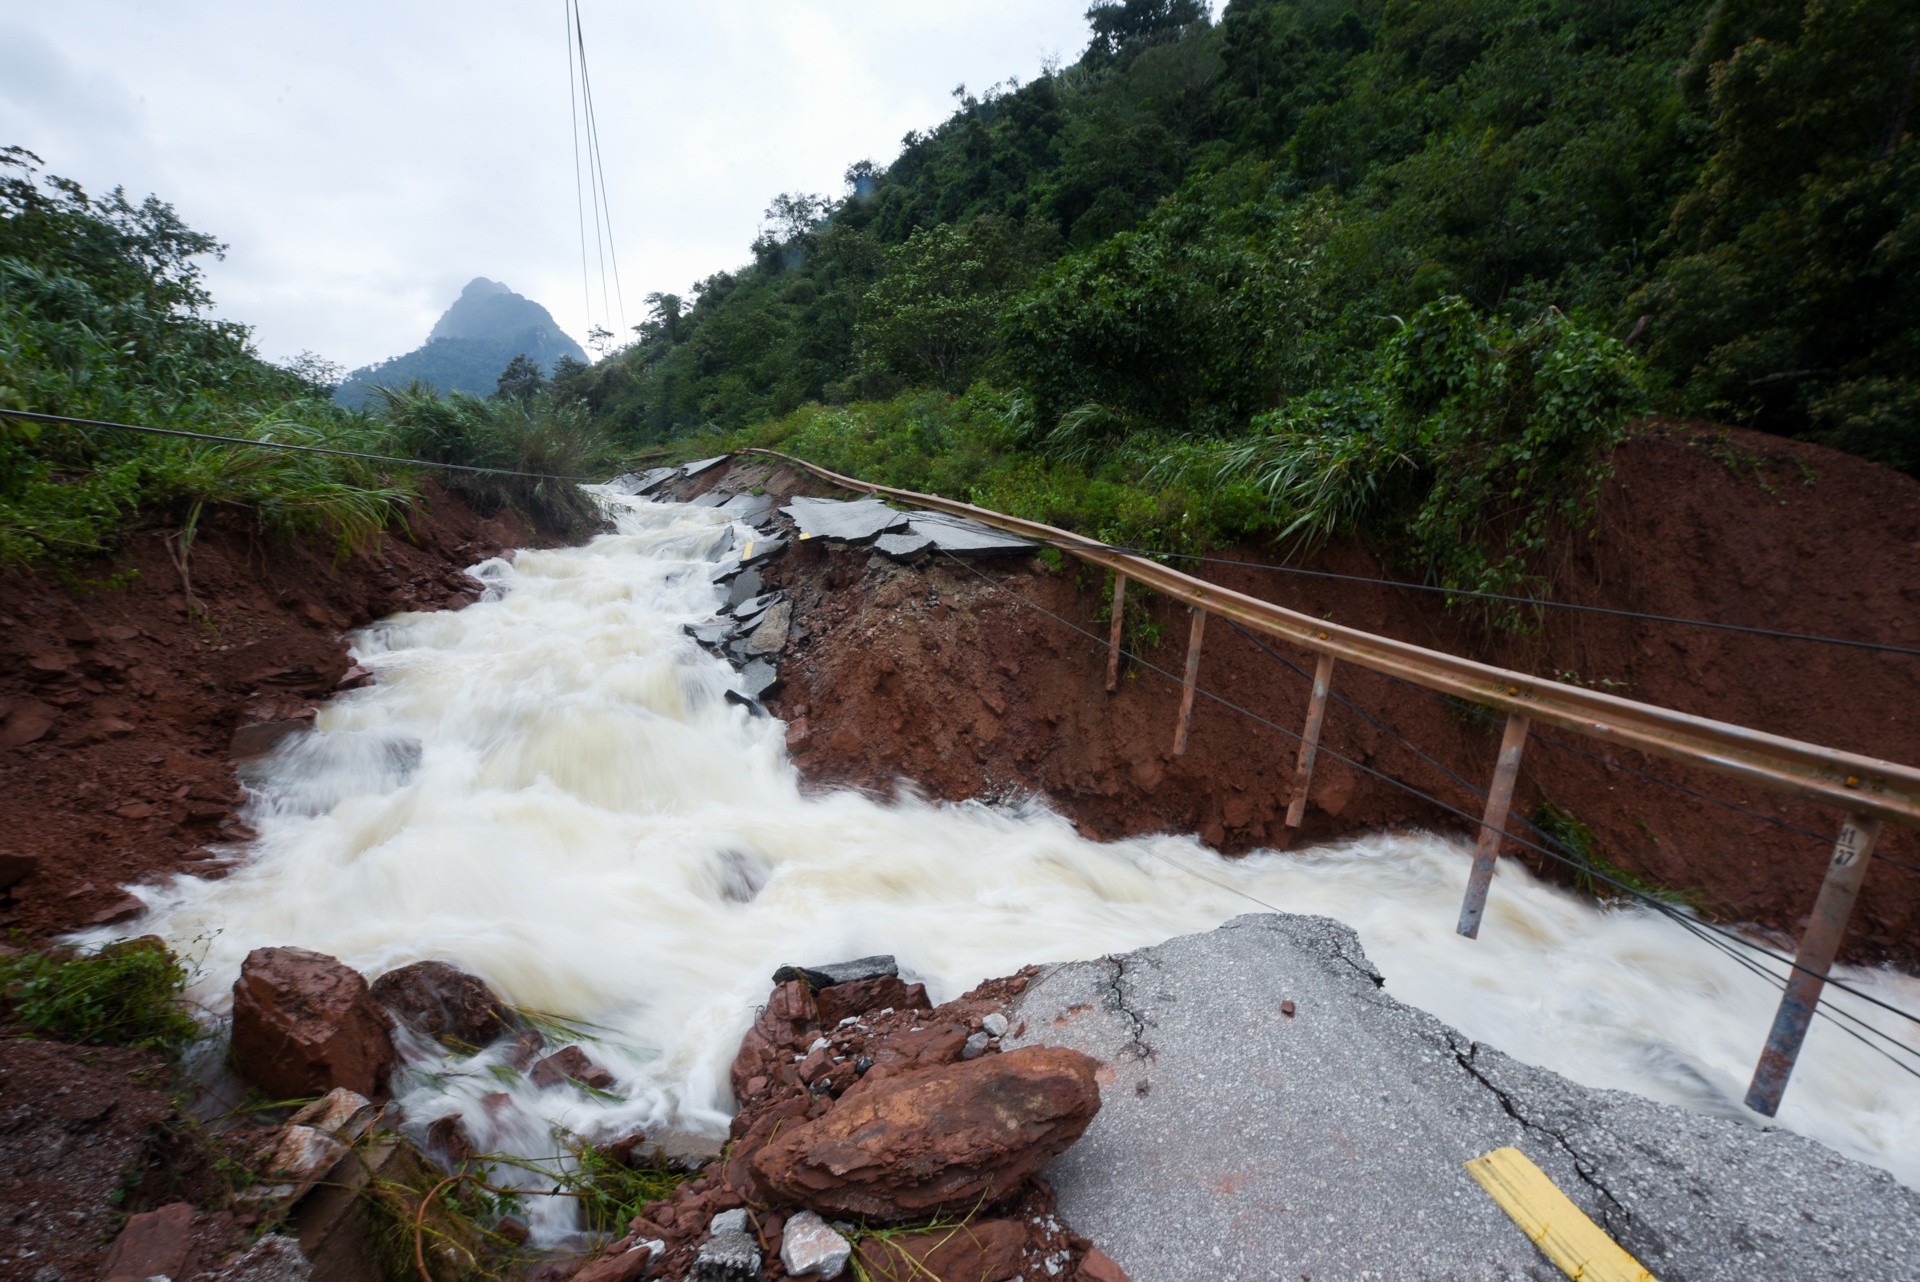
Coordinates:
[1558,1227]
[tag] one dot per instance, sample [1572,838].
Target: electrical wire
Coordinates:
[597,169]
[1626,889]
[284,445]
[579,198]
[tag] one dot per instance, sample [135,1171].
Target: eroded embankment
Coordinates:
[122,710]
[950,675]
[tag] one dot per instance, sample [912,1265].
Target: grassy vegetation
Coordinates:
[1593,873]
[127,994]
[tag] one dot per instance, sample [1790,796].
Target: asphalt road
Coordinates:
[1236,1142]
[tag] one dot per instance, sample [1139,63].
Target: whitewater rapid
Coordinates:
[550,789]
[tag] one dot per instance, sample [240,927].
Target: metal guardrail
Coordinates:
[1849,781]
[1867,790]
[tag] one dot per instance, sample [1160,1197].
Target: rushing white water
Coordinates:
[549,789]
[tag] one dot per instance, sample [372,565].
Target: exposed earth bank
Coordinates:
[123,710]
[952,676]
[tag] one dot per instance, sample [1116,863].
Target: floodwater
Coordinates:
[549,789]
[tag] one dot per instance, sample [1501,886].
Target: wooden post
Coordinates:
[1310,740]
[1818,947]
[1193,676]
[1492,824]
[1113,645]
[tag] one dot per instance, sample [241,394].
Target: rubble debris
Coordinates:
[811,1246]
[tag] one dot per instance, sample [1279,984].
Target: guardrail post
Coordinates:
[1193,677]
[1113,645]
[1310,740]
[1818,947]
[1493,824]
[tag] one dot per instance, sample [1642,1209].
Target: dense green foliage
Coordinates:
[126,994]
[103,316]
[1203,244]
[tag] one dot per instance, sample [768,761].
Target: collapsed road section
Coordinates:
[1268,1111]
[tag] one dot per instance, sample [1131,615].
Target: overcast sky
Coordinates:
[364,161]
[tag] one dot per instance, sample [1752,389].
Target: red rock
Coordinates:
[303,1024]
[1286,1008]
[626,1266]
[17,868]
[26,721]
[50,664]
[573,1065]
[443,1002]
[448,1137]
[785,1025]
[943,1140]
[1097,1266]
[986,1251]
[797,734]
[125,908]
[135,810]
[863,995]
[154,1243]
[259,738]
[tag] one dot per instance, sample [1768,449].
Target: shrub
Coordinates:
[127,994]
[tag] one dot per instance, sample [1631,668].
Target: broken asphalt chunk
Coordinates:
[846,972]
[963,536]
[855,522]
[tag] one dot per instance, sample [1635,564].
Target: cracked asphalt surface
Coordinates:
[1234,1141]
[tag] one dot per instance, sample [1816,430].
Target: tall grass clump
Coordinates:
[532,433]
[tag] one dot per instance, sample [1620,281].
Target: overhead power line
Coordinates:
[590,177]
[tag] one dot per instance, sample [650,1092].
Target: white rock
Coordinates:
[819,1044]
[810,1246]
[734,1221]
[995,1024]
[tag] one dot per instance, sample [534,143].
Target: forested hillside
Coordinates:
[1299,246]
[104,315]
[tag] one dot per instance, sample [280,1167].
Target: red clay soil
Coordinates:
[118,709]
[942,675]
[90,1139]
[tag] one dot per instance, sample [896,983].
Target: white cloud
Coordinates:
[364,161]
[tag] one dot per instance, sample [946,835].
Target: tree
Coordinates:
[1125,25]
[520,379]
[934,317]
[1794,302]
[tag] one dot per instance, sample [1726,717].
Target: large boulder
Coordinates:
[944,1140]
[304,1024]
[443,1002]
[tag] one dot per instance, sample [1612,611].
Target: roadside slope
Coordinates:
[945,674]
[119,708]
